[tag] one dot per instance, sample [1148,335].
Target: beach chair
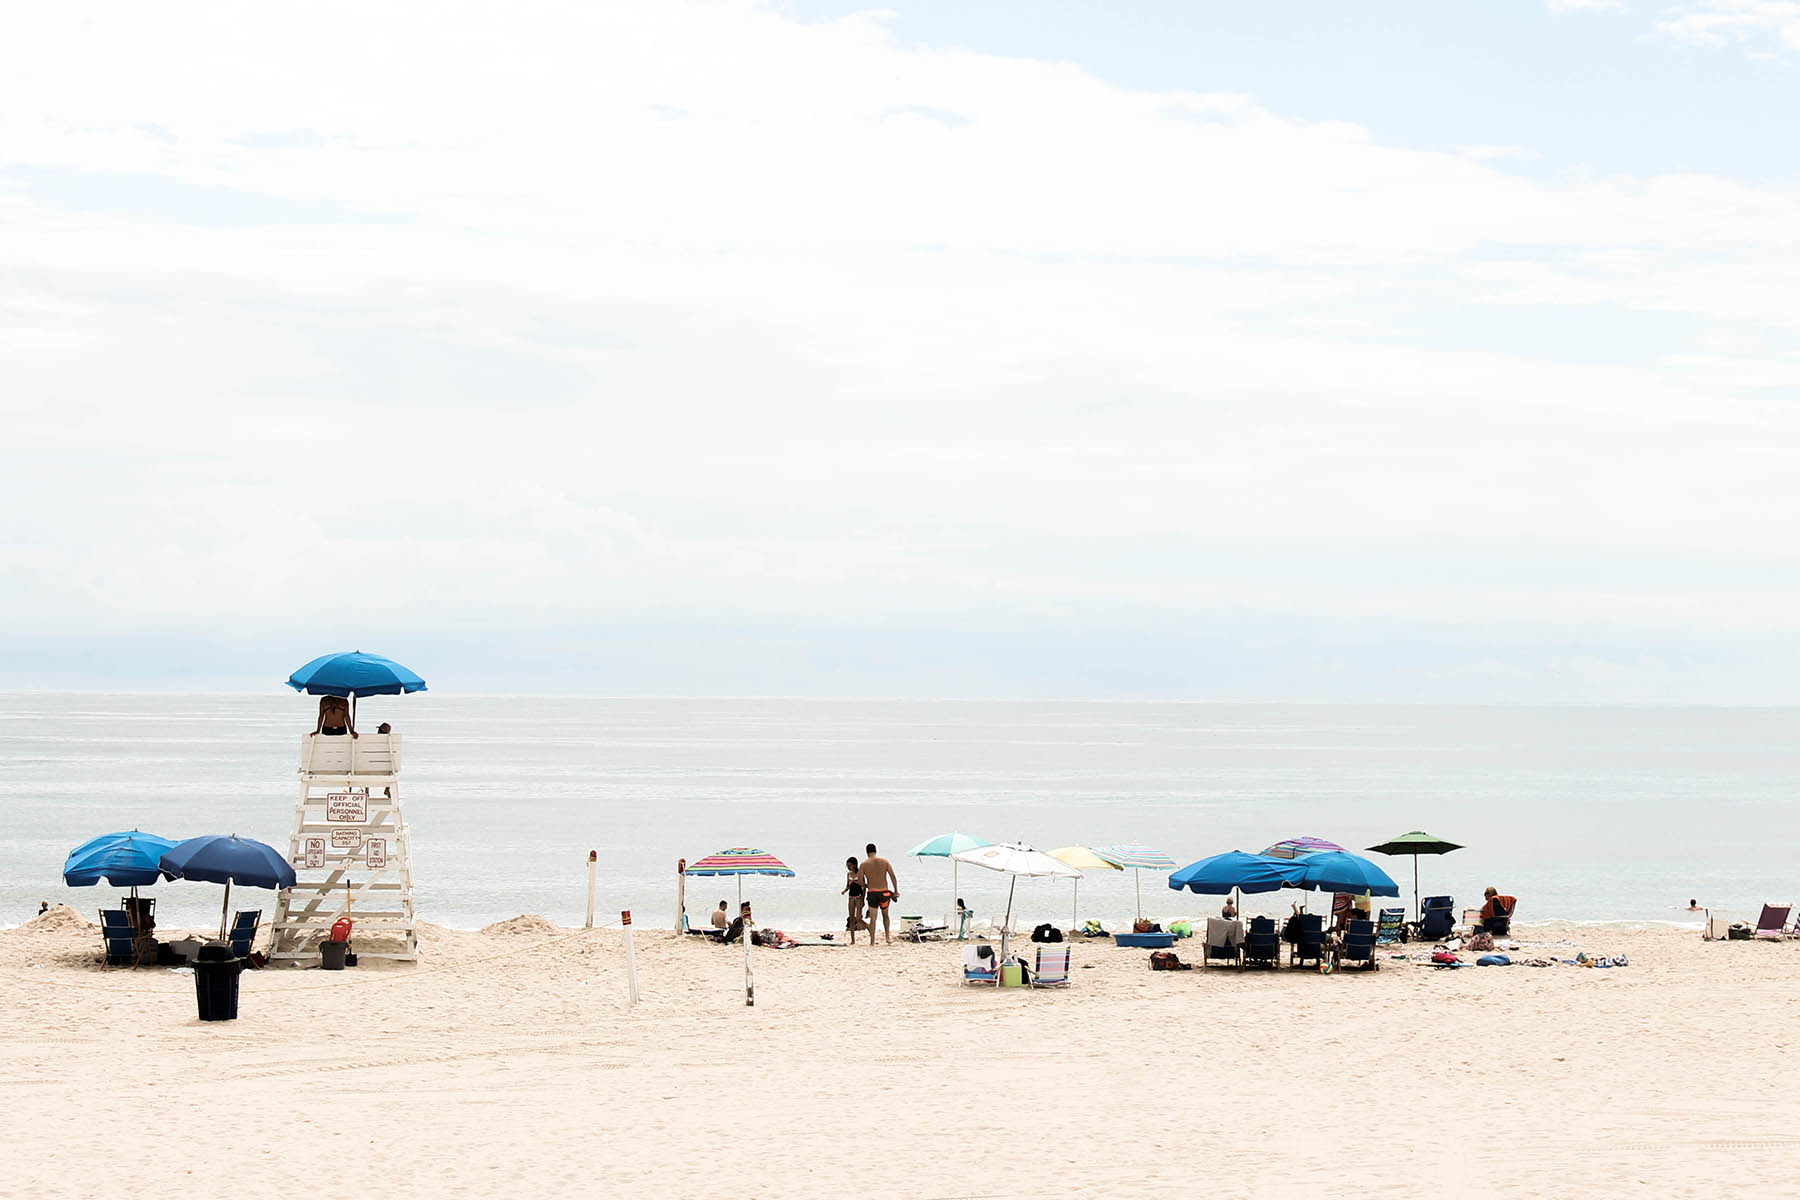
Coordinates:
[1500,924]
[1437,918]
[981,965]
[1052,967]
[1392,927]
[243,933]
[1262,948]
[1773,918]
[117,932]
[1309,945]
[1224,942]
[1359,946]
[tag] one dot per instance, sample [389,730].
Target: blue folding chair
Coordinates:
[1309,942]
[243,933]
[1262,946]
[120,936]
[1359,945]
[1437,918]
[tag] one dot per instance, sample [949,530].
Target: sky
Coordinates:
[1403,352]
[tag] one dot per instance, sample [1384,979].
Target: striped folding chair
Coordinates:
[1052,967]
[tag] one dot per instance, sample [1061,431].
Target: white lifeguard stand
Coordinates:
[351,852]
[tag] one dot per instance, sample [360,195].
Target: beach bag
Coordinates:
[1493,960]
[1164,960]
[1181,929]
[1093,929]
[1046,933]
[1480,941]
[1141,925]
[1444,956]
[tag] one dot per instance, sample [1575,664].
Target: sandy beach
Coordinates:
[508,1062]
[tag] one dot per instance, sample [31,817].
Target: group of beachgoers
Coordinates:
[871,886]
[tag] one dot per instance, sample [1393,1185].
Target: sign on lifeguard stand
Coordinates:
[351,851]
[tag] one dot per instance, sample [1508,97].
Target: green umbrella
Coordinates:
[1415,843]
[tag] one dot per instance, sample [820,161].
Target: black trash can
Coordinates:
[331,955]
[216,972]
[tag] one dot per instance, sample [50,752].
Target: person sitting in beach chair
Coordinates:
[1309,940]
[1262,946]
[1496,914]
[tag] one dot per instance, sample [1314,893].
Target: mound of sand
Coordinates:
[60,919]
[528,925]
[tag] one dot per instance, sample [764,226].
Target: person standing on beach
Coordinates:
[853,888]
[883,888]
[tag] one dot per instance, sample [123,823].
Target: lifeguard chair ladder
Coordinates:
[351,852]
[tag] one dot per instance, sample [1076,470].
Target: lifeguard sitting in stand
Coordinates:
[334,718]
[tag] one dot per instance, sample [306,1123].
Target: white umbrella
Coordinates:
[1015,859]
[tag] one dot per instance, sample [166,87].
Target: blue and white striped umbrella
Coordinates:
[1136,858]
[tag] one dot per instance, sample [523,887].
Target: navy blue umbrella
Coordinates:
[353,673]
[214,858]
[128,858]
[1235,870]
[1341,871]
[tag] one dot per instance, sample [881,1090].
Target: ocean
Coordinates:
[1585,814]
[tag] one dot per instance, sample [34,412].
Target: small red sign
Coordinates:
[625,917]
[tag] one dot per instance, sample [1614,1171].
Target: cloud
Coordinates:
[1763,26]
[581,315]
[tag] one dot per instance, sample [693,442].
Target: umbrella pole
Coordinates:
[954,886]
[1418,913]
[1137,877]
[223,909]
[1075,908]
[1006,926]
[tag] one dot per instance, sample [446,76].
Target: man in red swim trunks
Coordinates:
[882,888]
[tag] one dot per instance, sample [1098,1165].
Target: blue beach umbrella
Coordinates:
[948,845]
[352,673]
[1235,871]
[125,859]
[1341,871]
[214,858]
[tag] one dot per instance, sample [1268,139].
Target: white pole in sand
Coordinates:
[749,976]
[631,986]
[593,860]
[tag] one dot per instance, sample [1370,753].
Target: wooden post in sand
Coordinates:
[681,895]
[630,958]
[593,860]
[749,976]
